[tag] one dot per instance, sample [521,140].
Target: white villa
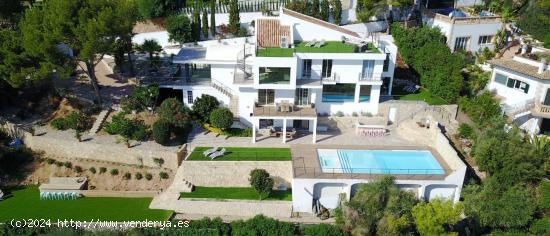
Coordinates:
[462,30]
[293,70]
[523,85]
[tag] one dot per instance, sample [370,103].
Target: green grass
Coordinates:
[244,154]
[26,204]
[235,193]
[274,52]
[423,95]
[333,47]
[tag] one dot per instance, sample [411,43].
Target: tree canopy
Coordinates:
[431,217]
[179,28]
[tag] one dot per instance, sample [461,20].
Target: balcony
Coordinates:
[333,79]
[284,110]
[541,110]
[369,78]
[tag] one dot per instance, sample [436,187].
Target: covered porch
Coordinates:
[276,121]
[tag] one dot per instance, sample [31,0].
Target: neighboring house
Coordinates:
[462,30]
[523,85]
[276,79]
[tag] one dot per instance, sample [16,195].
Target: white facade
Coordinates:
[231,58]
[524,92]
[469,33]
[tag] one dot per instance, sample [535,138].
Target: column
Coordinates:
[253,130]
[357,92]
[284,130]
[315,130]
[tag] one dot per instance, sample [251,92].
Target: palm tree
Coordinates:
[151,47]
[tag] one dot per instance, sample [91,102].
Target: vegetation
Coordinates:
[275,52]
[13,159]
[329,47]
[244,154]
[221,118]
[337,11]
[148,9]
[163,175]
[323,229]
[234,19]
[423,95]
[25,203]
[114,172]
[174,112]
[533,19]
[378,206]
[179,28]
[242,193]
[213,18]
[466,131]
[151,47]
[203,106]
[75,120]
[127,128]
[162,132]
[204,27]
[141,98]
[366,9]
[261,182]
[431,218]
[325,10]
[196,26]
[482,109]
[148,176]
[262,226]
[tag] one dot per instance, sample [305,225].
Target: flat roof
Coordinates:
[189,54]
[305,163]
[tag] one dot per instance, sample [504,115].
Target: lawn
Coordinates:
[26,204]
[244,154]
[235,193]
[423,95]
[332,47]
[274,52]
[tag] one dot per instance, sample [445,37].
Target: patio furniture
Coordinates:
[1,195]
[273,132]
[311,43]
[210,151]
[217,154]
[285,106]
[320,44]
[291,134]
[322,128]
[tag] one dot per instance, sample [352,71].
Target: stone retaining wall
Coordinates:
[128,194]
[234,173]
[274,209]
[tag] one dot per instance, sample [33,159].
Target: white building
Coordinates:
[277,79]
[523,85]
[463,31]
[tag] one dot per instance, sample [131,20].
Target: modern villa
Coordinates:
[293,70]
[462,30]
[523,86]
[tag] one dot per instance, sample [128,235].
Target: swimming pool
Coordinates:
[378,161]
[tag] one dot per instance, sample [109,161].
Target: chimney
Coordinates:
[543,65]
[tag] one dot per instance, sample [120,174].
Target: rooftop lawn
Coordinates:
[332,47]
[26,204]
[275,52]
[423,95]
[244,154]
[235,193]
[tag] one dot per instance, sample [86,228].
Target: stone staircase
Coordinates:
[99,121]
[233,97]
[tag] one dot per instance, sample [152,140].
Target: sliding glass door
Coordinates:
[301,97]
[266,97]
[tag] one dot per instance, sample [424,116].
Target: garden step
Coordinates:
[99,121]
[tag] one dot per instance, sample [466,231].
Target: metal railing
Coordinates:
[368,172]
[334,78]
[274,110]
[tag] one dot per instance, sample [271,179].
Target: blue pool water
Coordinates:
[379,161]
[344,98]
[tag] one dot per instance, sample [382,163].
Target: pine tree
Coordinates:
[213,18]
[234,18]
[204,24]
[324,10]
[196,25]
[315,9]
[337,11]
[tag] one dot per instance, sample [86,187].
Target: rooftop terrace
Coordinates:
[327,47]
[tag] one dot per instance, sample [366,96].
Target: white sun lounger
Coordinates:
[210,151]
[217,154]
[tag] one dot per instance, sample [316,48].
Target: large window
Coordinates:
[364,93]
[266,97]
[339,93]
[500,78]
[368,68]
[327,68]
[190,97]
[274,75]
[461,43]
[547,98]
[301,98]
[516,84]
[306,71]
[486,39]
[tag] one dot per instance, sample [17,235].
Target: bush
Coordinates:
[12,160]
[235,132]
[78,169]
[179,28]
[148,176]
[323,229]
[130,129]
[163,175]
[75,120]
[50,161]
[58,163]
[221,118]
[102,170]
[339,114]
[260,225]
[68,164]
[59,124]
[261,182]
[162,132]
[127,176]
[114,172]
[482,109]
[466,131]
[93,170]
[140,98]
[540,227]
[139,176]
[174,112]
[204,105]
[159,161]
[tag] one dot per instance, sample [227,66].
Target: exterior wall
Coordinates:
[349,107]
[243,208]
[465,29]
[537,88]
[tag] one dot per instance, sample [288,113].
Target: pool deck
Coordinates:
[305,163]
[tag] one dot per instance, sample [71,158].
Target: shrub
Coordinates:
[159,161]
[221,118]
[161,132]
[74,120]
[58,163]
[235,132]
[163,175]
[540,227]
[130,129]
[173,111]
[12,160]
[59,124]
[204,105]
[127,176]
[139,176]
[114,172]
[323,229]
[102,170]
[148,176]
[260,224]
[466,131]
[481,109]
[261,182]
[68,164]
[354,114]
[179,28]
[140,98]
[339,114]
[78,169]
[50,161]
[93,170]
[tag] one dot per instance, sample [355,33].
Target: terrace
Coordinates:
[326,47]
